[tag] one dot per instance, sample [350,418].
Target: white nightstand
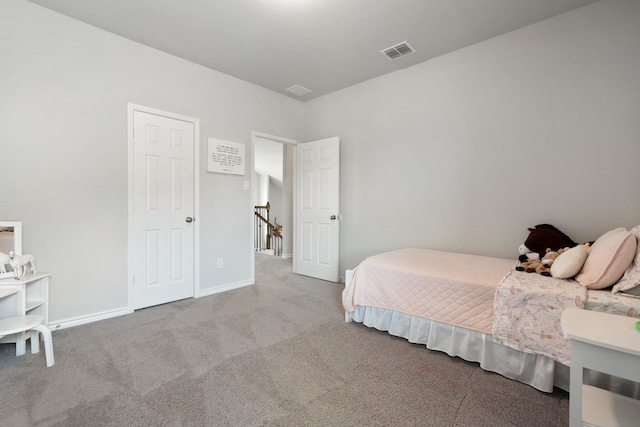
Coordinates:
[606,343]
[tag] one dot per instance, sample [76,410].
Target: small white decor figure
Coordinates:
[4,260]
[19,263]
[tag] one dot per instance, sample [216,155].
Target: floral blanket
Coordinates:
[604,300]
[527,310]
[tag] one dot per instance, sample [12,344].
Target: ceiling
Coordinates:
[321,45]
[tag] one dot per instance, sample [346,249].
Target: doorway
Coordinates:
[272,181]
[311,180]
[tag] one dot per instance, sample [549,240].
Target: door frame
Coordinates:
[131,108]
[252,184]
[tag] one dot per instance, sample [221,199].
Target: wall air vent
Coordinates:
[298,90]
[397,51]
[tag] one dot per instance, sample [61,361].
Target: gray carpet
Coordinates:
[277,354]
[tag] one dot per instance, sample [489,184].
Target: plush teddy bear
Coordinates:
[541,266]
[550,256]
[534,266]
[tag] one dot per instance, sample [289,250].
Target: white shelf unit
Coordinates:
[28,295]
[605,343]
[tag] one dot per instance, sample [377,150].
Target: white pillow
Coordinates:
[569,263]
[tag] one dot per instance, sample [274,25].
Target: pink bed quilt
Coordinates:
[447,287]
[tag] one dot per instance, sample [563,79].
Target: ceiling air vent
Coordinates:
[397,51]
[298,90]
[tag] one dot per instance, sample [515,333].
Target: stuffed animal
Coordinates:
[526,254]
[550,256]
[541,266]
[534,266]
[541,237]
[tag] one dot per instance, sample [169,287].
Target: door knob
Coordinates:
[189,219]
[334,217]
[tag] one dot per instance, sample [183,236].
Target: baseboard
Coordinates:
[286,256]
[225,288]
[95,317]
[83,320]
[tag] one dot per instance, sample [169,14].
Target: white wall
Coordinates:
[460,153]
[287,201]
[465,151]
[276,200]
[64,89]
[263,183]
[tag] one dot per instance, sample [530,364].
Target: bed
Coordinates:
[482,310]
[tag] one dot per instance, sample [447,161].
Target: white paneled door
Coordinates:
[163,209]
[318,209]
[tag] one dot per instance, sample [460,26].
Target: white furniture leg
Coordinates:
[35,341]
[48,343]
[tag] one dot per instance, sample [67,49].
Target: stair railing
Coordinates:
[267,236]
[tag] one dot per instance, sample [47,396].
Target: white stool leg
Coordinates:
[48,343]
[21,343]
[35,342]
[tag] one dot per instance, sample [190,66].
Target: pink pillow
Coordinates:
[608,259]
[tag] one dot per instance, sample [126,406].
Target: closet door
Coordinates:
[163,229]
